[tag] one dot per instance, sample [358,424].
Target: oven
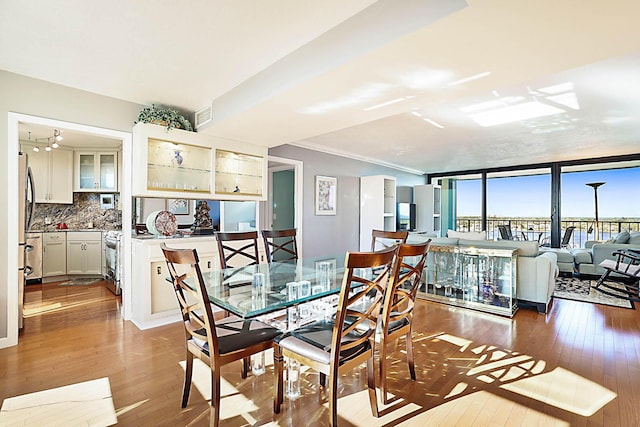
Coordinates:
[112,245]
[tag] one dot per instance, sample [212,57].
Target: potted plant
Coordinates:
[164,116]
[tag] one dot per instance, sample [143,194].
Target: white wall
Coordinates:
[24,95]
[325,235]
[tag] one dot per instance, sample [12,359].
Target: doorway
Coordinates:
[283,208]
[15,121]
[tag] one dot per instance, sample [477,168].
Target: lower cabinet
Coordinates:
[84,252]
[54,254]
[153,299]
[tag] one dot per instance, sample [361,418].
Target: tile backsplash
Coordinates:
[84,212]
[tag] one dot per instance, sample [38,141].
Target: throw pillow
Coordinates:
[622,237]
[634,238]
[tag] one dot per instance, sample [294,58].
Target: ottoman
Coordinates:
[565,259]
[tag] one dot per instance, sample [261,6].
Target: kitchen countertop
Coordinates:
[55,230]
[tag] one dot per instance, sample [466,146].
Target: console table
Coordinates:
[481,279]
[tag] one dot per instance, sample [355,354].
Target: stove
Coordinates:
[112,244]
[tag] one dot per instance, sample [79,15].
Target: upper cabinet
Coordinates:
[188,165]
[96,171]
[53,175]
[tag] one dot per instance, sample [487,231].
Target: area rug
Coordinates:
[583,290]
[80,282]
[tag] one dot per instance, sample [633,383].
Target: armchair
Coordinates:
[627,265]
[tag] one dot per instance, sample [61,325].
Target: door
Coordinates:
[283,200]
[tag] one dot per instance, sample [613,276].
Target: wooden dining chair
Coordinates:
[237,249]
[397,308]
[383,239]
[215,343]
[333,347]
[280,245]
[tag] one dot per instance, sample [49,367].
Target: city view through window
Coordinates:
[524,203]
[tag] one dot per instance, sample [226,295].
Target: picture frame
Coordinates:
[326,195]
[178,206]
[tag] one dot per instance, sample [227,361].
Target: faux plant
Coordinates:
[165,116]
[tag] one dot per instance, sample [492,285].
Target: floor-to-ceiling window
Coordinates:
[617,190]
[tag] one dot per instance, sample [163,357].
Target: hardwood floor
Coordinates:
[578,365]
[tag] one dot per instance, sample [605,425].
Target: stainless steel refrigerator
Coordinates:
[26,205]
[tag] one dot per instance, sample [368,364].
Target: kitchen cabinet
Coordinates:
[180,164]
[84,252]
[377,207]
[53,175]
[54,254]
[96,171]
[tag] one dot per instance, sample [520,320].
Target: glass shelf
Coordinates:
[482,279]
[178,167]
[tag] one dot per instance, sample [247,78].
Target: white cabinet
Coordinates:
[377,207]
[84,252]
[53,175]
[96,171]
[180,164]
[54,254]
[428,207]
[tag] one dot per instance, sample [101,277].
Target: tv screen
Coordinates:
[406,217]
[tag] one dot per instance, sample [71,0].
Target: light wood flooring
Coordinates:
[579,365]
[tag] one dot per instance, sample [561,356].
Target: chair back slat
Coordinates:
[280,245]
[381,239]
[237,254]
[400,295]
[352,305]
[197,316]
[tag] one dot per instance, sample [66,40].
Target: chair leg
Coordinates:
[215,398]
[333,399]
[371,385]
[410,360]
[382,349]
[278,362]
[323,379]
[246,366]
[188,370]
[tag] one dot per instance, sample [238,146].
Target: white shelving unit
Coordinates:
[428,207]
[377,207]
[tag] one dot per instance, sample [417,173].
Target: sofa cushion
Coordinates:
[526,248]
[469,235]
[622,237]
[634,238]
[582,256]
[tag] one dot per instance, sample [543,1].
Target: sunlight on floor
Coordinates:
[564,389]
[87,404]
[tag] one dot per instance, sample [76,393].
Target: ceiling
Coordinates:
[411,84]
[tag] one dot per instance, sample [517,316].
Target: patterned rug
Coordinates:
[582,290]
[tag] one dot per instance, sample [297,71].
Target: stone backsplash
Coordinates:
[84,212]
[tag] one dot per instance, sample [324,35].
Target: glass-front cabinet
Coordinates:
[178,167]
[238,173]
[482,279]
[181,164]
[96,171]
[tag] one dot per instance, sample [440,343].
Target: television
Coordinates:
[406,217]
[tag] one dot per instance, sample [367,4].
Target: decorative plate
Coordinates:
[151,222]
[166,223]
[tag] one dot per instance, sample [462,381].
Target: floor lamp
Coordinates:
[595,186]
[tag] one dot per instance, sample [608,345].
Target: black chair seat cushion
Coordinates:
[235,334]
[314,341]
[397,324]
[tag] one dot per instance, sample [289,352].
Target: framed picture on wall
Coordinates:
[178,206]
[326,195]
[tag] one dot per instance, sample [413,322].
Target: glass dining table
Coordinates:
[258,290]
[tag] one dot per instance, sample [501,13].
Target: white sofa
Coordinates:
[588,259]
[536,271]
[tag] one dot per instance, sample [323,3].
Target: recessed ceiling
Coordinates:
[427,86]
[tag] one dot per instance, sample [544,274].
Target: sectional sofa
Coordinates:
[536,271]
[588,259]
